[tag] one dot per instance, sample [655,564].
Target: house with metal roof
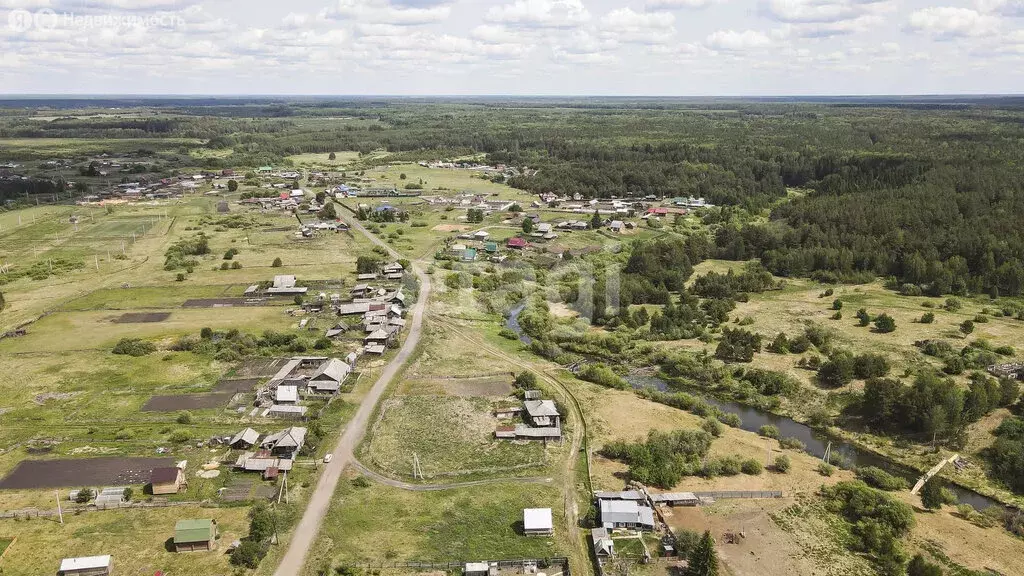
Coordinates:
[469,255]
[676,499]
[635,495]
[541,413]
[287,411]
[626,514]
[285,284]
[192,535]
[86,566]
[287,442]
[329,376]
[537,521]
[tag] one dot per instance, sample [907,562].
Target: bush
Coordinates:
[128,494]
[179,437]
[837,304]
[184,418]
[248,554]
[870,365]
[980,319]
[712,427]
[179,277]
[84,495]
[236,265]
[934,494]
[603,375]
[1005,351]
[878,478]
[768,431]
[967,326]
[752,467]
[826,469]
[730,419]
[277,263]
[918,566]
[134,347]
[781,464]
[885,324]
[863,317]
[791,443]
[686,542]
[928,318]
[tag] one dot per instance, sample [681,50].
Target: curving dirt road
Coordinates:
[305,533]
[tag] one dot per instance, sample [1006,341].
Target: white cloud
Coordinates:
[946,22]
[625,25]
[540,13]
[733,41]
[383,12]
[677,4]
[1011,8]
[825,18]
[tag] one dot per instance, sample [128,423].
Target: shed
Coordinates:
[192,535]
[469,254]
[286,394]
[537,521]
[244,439]
[491,247]
[603,544]
[86,566]
[375,349]
[287,411]
[480,569]
[167,480]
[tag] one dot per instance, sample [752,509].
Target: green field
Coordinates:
[381,524]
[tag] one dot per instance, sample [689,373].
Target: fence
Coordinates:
[461,565]
[740,494]
[37,513]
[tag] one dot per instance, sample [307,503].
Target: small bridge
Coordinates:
[935,470]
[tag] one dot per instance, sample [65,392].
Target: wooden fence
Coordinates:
[722,495]
[72,509]
[460,565]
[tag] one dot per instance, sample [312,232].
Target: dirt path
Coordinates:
[305,533]
[388,481]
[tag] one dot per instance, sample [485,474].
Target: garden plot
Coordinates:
[174,403]
[141,317]
[82,472]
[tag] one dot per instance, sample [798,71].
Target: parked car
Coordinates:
[327,458]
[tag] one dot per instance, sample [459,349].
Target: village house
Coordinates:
[86,566]
[286,443]
[517,243]
[361,290]
[537,522]
[287,411]
[285,284]
[626,514]
[169,480]
[541,413]
[192,535]
[329,377]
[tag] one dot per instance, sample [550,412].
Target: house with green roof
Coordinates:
[469,255]
[192,535]
[491,247]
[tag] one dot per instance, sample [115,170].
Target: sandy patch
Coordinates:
[450,228]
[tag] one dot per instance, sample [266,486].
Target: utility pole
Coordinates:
[97,262]
[60,513]
[768,452]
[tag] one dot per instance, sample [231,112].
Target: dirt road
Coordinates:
[305,533]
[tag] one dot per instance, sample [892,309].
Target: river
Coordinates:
[816,441]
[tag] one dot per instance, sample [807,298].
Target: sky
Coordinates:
[512,47]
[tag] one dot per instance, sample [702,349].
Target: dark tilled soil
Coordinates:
[213,302]
[187,402]
[142,317]
[91,472]
[239,385]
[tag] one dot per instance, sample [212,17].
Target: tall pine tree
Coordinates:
[703,560]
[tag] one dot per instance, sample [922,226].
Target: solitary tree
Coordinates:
[277,263]
[703,561]
[527,225]
[232,185]
[595,221]
[332,156]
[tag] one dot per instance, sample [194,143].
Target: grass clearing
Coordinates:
[381,524]
[136,538]
[452,437]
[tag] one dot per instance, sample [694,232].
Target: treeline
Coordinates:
[953,229]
